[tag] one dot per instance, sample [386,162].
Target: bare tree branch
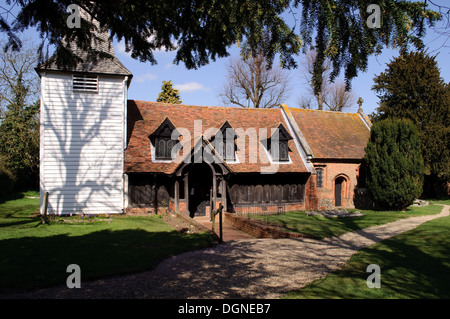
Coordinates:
[332,94]
[339,98]
[251,84]
[442,28]
[16,67]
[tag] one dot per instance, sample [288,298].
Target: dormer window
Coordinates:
[227,150]
[85,83]
[162,141]
[224,142]
[278,145]
[164,147]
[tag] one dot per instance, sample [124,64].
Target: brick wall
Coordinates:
[145,210]
[311,196]
[259,229]
[331,171]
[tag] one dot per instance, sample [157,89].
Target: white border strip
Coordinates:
[297,144]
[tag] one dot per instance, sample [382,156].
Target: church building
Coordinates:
[101,153]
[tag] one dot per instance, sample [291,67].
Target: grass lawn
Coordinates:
[415,264]
[322,227]
[35,255]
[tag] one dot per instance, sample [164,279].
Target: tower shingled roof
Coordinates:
[101,41]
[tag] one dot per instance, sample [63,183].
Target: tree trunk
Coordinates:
[319,98]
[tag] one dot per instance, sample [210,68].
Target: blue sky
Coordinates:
[202,86]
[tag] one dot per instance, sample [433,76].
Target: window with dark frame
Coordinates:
[284,153]
[224,143]
[162,141]
[229,150]
[226,149]
[279,149]
[163,148]
[319,172]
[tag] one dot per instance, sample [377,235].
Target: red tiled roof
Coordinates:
[145,117]
[333,135]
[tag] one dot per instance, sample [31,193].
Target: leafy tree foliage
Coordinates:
[199,30]
[394,164]
[343,35]
[7,178]
[168,94]
[19,137]
[411,87]
[203,30]
[19,126]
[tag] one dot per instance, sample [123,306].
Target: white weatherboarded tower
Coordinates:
[83,134]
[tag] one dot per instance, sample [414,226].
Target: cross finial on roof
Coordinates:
[360,102]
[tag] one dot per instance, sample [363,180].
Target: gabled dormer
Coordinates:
[224,142]
[161,140]
[278,144]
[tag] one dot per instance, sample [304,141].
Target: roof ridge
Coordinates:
[208,106]
[321,111]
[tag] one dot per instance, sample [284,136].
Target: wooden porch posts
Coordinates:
[216,184]
[176,195]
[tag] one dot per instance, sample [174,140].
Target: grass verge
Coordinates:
[414,265]
[36,255]
[322,227]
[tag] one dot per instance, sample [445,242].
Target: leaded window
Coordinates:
[163,148]
[319,172]
[224,142]
[284,155]
[278,144]
[163,142]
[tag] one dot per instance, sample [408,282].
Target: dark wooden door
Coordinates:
[200,184]
[338,192]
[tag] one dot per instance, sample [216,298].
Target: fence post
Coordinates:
[213,221]
[220,221]
[44,213]
[215,212]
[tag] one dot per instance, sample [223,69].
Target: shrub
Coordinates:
[395,166]
[7,179]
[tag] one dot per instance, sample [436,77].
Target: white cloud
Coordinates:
[163,48]
[169,66]
[190,87]
[146,77]
[120,47]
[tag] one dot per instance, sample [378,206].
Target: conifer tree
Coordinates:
[169,94]
[394,164]
[203,30]
[412,87]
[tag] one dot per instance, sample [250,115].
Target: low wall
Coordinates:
[259,229]
[145,211]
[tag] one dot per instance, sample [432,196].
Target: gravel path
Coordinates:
[250,268]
